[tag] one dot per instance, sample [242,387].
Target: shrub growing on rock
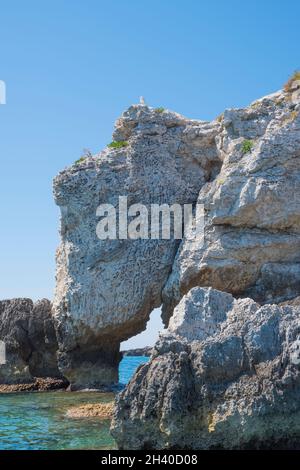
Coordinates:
[247,146]
[117,144]
[288,87]
[159,110]
[80,160]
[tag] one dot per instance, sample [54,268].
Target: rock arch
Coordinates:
[106,289]
[244,167]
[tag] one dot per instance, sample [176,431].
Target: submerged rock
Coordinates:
[38,384]
[225,374]
[27,329]
[106,289]
[92,410]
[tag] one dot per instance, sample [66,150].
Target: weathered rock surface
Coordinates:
[92,410]
[226,374]
[106,289]
[244,167]
[252,229]
[27,329]
[36,384]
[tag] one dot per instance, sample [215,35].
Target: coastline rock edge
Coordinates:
[225,375]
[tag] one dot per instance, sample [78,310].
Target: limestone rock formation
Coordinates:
[106,289]
[27,329]
[225,375]
[252,228]
[244,167]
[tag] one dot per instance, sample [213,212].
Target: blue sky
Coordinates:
[72,67]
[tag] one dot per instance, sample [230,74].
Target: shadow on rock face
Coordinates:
[27,329]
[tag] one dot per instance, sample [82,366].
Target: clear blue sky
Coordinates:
[71,68]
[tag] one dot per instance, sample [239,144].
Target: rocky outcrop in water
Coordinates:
[225,375]
[27,329]
[146,351]
[106,289]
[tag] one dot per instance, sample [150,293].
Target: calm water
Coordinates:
[38,420]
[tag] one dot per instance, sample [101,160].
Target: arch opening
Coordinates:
[149,336]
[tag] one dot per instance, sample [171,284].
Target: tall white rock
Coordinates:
[252,223]
[106,289]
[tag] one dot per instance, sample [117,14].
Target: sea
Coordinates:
[38,420]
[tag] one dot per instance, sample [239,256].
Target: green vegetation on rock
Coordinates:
[117,144]
[247,146]
[80,160]
[288,87]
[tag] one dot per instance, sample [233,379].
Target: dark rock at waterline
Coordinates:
[38,384]
[96,365]
[146,351]
[27,329]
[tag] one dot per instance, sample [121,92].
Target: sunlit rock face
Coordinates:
[106,289]
[224,375]
[252,229]
[27,330]
[244,168]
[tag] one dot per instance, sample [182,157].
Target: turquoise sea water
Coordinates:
[38,420]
